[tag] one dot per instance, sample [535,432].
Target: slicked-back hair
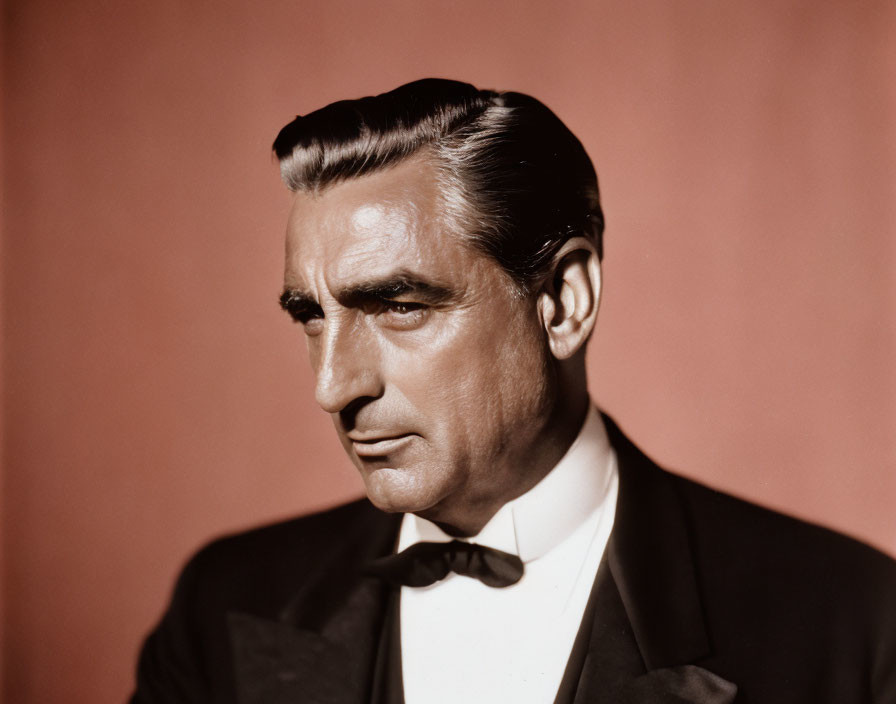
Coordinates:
[515,181]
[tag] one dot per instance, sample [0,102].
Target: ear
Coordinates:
[569,298]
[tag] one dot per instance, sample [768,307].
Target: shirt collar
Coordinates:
[539,520]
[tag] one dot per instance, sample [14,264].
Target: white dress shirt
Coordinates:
[462,641]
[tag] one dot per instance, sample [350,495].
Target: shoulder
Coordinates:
[825,599]
[817,594]
[297,536]
[752,535]
[187,656]
[740,538]
[758,571]
[269,562]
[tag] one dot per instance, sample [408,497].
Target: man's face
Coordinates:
[434,369]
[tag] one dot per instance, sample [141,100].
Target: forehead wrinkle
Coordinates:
[360,231]
[383,243]
[334,248]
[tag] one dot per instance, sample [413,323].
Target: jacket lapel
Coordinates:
[607,658]
[651,561]
[647,624]
[322,647]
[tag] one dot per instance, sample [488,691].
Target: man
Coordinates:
[443,258]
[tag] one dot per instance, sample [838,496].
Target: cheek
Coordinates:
[514,382]
[475,382]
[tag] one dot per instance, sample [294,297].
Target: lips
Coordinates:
[369,445]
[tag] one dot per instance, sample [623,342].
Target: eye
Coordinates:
[402,315]
[402,307]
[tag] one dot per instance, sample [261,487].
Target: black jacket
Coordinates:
[701,597]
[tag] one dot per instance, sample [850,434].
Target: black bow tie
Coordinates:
[423,564]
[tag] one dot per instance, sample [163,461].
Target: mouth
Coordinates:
[379,446]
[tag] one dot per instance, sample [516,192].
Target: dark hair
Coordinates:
[515,180]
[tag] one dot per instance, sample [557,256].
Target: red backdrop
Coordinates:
[154,395]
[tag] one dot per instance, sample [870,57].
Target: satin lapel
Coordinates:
[612,659]
[651,561]
[647,625]
[323,647]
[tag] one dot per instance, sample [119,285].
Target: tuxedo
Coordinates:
[700,597]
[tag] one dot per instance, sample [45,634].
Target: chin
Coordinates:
[399,490]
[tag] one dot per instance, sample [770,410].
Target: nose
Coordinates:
[346,369]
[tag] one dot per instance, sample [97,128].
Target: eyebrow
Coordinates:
[394,286]
[299,305]
[297,302]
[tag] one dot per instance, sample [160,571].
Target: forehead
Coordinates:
[372,226]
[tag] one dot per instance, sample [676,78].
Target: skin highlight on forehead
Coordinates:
[362,233]
[386,212]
